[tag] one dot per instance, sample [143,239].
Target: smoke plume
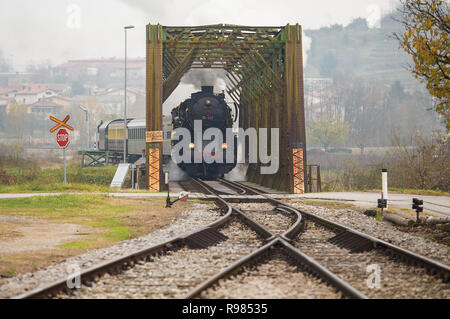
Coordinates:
[211,77]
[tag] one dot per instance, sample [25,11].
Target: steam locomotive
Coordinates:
[204,105]
[214,112]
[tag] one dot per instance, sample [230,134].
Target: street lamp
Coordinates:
[125,104]
[87,122]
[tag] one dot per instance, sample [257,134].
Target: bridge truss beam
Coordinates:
[265,79]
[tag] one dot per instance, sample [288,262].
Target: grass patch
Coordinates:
[76,245]
[8,273]
[99,211]
[102,221]
[88,179]
[418,191]
[50,188]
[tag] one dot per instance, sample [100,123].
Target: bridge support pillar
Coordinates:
[154,102]
[295,108]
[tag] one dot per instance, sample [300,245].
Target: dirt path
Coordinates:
[19,234]
[29,243]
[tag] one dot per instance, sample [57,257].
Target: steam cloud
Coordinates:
[199,78]
[237,174]
[176,174]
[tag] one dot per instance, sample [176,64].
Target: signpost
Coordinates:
[62,137]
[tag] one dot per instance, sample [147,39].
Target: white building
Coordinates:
[33,94]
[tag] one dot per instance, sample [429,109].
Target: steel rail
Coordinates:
[274,244]
[434,267]
[121,263]
[242,191]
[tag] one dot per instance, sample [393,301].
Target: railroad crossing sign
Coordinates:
[60,123]
[62,138]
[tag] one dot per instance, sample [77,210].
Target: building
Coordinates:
[113,99]
[8,79]
[110,70]
[8,92]
[45,108]
[37,91]
[33,93]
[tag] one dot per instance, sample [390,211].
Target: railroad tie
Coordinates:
[205,238]
[352,242]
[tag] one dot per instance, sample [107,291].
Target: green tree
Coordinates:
[328,131]
[426,39]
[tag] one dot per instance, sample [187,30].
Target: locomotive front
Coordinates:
[213,112]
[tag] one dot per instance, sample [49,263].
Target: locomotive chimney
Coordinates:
[208,89]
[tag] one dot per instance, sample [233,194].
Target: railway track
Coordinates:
[276,250]
[224,241]
[256,246]
[348,252]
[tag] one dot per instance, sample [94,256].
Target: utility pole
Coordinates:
[88,130]
[125,102]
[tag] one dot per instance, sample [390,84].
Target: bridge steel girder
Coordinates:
[154,101]
[265,78]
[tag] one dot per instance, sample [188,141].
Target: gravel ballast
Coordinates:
[396,279]
[275,279]
[382,230]
[263,213]
[174,274]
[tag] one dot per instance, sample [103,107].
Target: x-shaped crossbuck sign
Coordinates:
[60,123]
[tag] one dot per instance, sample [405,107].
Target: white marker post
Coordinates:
[384,185]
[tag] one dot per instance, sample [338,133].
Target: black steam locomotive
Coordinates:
[214,112]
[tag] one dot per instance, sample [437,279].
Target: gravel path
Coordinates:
[397,280]
[382,230]
[201,215]
[274,279]
[174,274]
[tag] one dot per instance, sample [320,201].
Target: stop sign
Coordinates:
[62,138]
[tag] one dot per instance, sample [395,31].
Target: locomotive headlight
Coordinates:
[208,102]
[224,146]
[191,145]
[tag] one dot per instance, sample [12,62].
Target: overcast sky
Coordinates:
[57,30]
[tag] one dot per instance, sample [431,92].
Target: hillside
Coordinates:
[359,51]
